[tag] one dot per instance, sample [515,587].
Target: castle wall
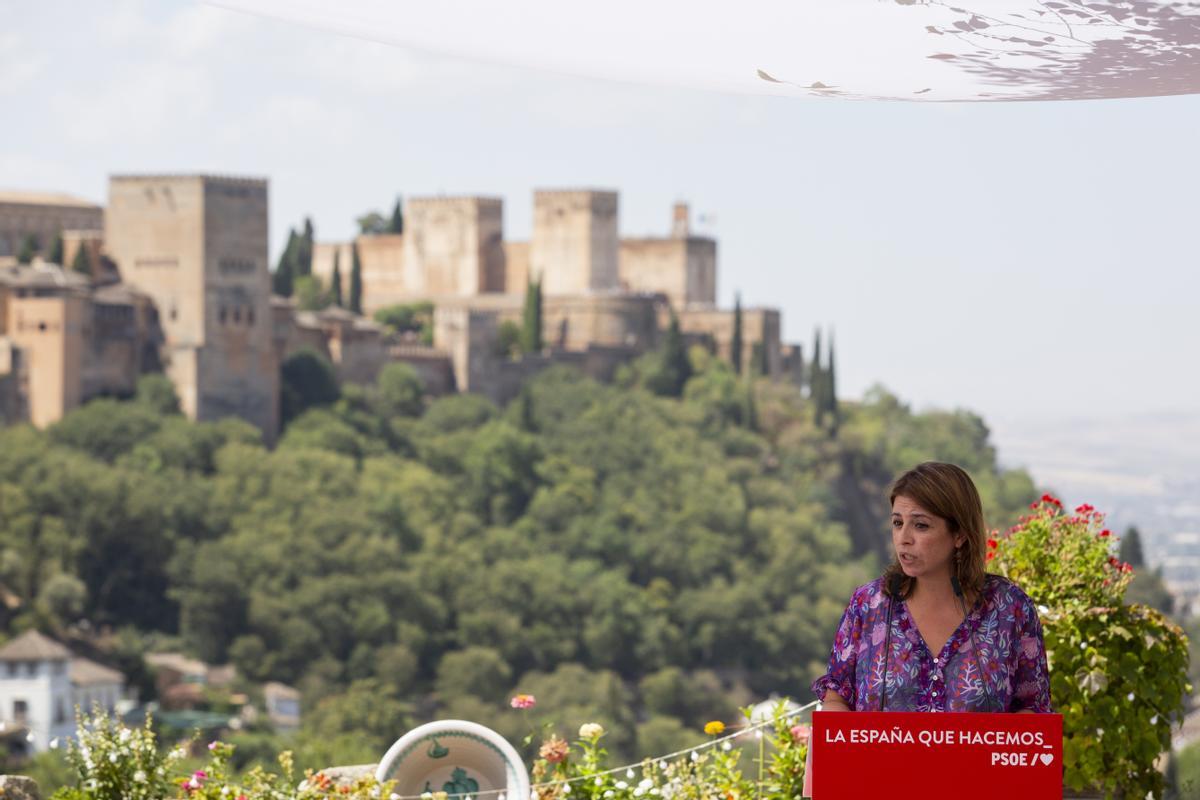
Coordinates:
[323,260]
[574,249]
[49,329]
[382,258]
[760,326]
[516,267]
[43,215]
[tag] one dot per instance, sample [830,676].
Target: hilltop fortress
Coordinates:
[173,276]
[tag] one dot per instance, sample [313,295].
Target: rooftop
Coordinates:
[42,274]
[46,199]
[33,646]
[85,672]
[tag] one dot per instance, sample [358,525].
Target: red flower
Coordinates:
[1106,532]
[1085,509]
[989,556]
[1052,500]
[993,544]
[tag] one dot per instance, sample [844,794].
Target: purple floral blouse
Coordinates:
[1000,643]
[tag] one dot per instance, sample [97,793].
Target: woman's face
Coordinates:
[924,545]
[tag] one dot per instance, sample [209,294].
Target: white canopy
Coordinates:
[926,50]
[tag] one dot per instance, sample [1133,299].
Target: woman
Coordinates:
[936,633]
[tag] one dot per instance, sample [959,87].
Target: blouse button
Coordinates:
[935,692]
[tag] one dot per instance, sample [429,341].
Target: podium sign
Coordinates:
[899,755]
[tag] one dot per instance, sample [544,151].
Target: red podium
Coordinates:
[900,755]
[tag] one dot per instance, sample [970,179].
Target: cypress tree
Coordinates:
[356,286]
[815,390]
[750,414]
[397,223]
[55,256]
[283,280]
[29,249]
[736,344]
[676,367]
[304,250]
[531,319]
[763,360]
[829,383]
[336,280]
[81,263]
[1131,548]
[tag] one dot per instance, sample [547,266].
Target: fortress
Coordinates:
[180,283]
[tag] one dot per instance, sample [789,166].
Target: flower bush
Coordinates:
[775,754]
[1118,673]
[114,762]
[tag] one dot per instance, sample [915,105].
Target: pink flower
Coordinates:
[801,733]
[523,701]
[213,745]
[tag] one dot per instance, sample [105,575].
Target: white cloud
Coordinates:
[141,105]
[19,66]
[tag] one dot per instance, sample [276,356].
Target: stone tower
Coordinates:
[197,245]
[574,248]
[453,246]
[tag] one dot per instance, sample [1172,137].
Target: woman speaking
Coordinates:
[935,632]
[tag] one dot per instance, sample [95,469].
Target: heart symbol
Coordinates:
[1047,758]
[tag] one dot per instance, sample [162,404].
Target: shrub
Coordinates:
[1118,672]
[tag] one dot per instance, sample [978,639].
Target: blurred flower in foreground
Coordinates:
[523,701]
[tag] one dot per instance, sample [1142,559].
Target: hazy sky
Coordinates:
[1025,260]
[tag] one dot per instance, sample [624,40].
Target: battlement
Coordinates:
[208,178]
[480,200]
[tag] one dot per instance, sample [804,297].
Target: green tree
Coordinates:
[816,379]
[81,263]
[307,380]
[55,254]
[283,279]
[372,224]
[829,387]
[304,249]
[508,340]
[356,284]
[674,367]
[29,248]
[336,281]
[477,671]
[531,318]
[396,224]
[1130,550]
[311,295]
[401,391]
[737,343]
[158,393]
[408,318]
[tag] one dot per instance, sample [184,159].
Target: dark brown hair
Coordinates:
[946,491]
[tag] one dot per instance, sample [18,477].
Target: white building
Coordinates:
[42,682]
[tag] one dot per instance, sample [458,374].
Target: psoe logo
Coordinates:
[1022,759]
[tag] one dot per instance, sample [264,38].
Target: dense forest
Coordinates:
[633,558]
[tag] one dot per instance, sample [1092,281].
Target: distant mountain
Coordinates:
[1142,469]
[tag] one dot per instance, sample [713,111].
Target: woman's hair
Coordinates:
[946,491]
